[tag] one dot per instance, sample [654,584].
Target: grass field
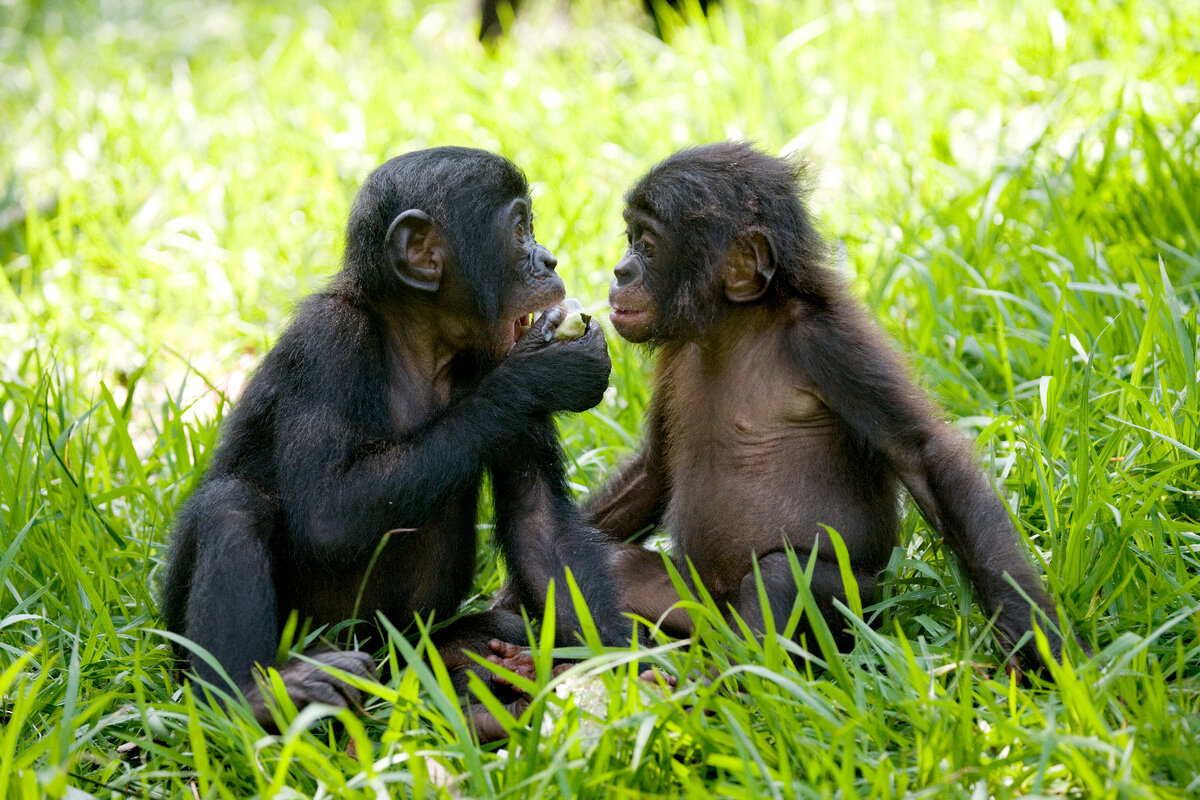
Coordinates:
[1017,188]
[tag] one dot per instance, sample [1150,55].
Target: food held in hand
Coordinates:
[575,323]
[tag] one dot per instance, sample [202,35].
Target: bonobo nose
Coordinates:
[624,272]
[546,258]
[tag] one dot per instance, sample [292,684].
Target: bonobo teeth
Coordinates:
[520,327]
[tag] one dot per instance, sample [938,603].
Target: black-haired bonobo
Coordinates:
[347,477]
[779,408]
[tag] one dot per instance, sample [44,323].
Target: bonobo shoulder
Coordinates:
[328,325]
[335,315]
[803,324]
[834,318]
[332,344]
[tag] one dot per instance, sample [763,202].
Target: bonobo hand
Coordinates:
[568,375]
[308,683]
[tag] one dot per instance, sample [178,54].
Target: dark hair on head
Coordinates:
[459,188]
[710,195]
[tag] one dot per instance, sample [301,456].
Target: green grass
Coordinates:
[1018,191]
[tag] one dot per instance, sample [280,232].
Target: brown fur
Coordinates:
[778,409]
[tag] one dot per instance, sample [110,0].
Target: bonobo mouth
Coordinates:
[521,326]
[535,301]
[621,315]
[523,323]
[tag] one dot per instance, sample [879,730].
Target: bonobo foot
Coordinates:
[519,660]
[308,683]
[511,657]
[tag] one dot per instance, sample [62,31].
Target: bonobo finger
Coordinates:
[356,662]
[543,327]
[540,333]
[513,658]
[504,649]
[487,727]
[593,338]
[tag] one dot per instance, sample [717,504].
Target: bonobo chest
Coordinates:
[736,415]
[413,394]
[737,431]
[408,408]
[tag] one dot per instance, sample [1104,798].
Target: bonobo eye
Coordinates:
[519,231]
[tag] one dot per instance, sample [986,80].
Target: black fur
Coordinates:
[339,441]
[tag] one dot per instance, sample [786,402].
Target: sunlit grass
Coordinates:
[1016,190]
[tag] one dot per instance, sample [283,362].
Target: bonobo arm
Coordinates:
[862,380]
[348,479]
[541,533]
[630,504]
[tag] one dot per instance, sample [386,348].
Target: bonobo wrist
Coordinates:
[508,390]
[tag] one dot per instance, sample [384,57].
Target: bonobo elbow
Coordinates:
[946,451]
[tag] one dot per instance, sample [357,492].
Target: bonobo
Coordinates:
[347,477]
[779,408]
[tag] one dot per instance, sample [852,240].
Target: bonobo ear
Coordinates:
[417,250]
[748,268]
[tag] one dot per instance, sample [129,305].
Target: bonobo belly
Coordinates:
[426,571]
[752,494]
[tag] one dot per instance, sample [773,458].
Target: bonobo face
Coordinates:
[531,284]
[634,307]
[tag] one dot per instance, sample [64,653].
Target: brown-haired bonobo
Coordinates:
[347,477]
[779,408]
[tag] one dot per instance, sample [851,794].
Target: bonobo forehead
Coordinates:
[643,218]
[727,185]
[449,184]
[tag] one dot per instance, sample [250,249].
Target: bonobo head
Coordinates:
[711,229]
[451,230]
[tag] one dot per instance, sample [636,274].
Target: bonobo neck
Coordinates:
[742,327]
[421,339]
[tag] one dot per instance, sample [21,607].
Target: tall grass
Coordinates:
[1016,188]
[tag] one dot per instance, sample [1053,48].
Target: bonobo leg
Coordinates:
[826,585]
[646,589]
[232,605]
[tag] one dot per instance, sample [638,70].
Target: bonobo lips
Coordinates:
[621,315]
